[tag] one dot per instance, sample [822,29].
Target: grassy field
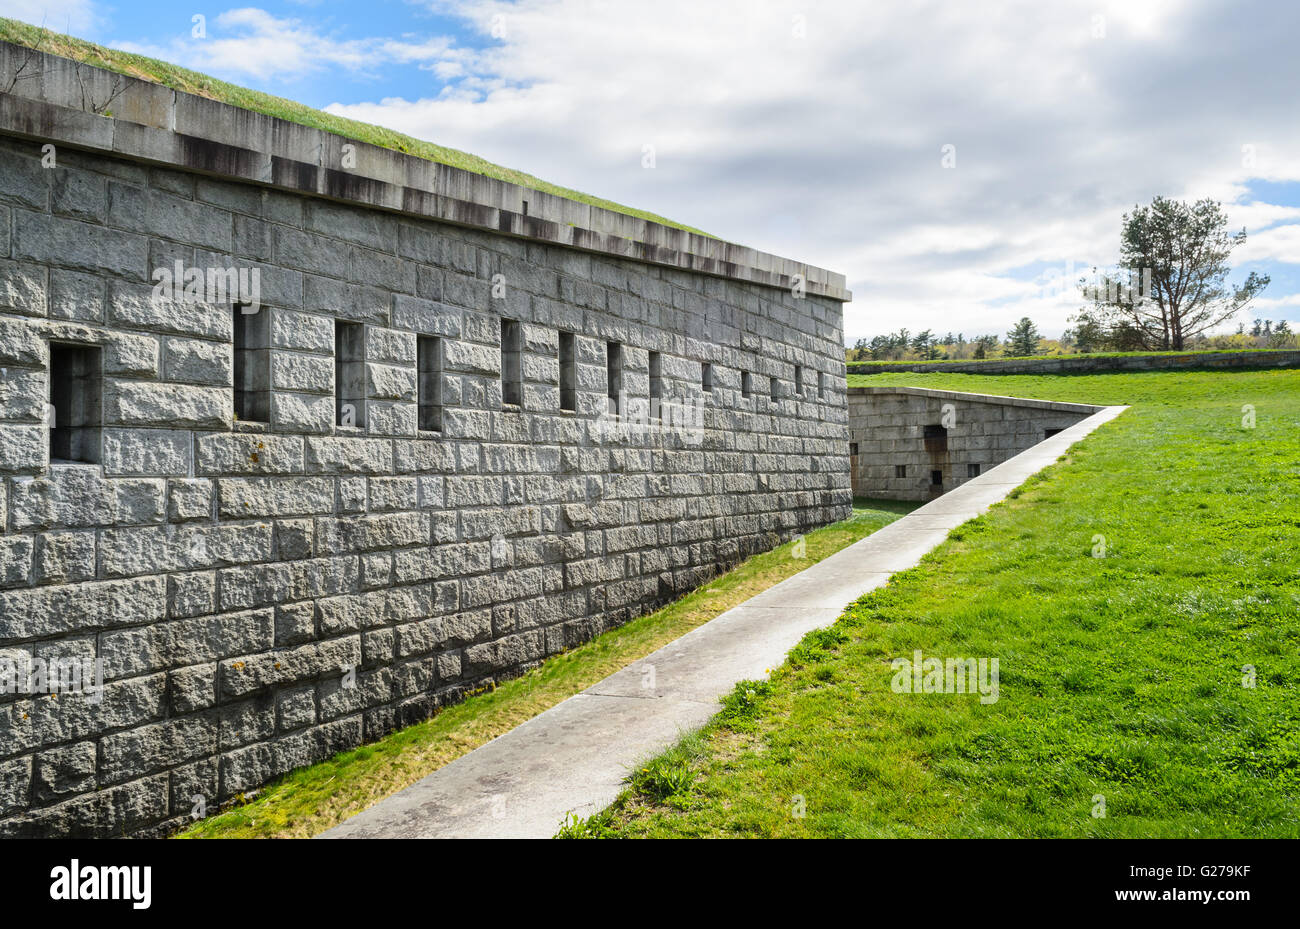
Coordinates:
[1263,352]
[192,82]
[308,801]
[1148,692]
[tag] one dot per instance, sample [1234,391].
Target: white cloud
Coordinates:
[1281,243]
[826,147]
[74,17]
[251,43]
[814,129]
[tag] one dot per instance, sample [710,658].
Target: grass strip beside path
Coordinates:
[311,800]
[1142,597]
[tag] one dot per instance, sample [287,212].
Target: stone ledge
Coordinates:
[1056,406]
[54,99]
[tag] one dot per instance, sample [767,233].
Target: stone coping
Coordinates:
[574,757]
[1055,406]
[48,98]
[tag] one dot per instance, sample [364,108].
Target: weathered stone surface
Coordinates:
[52,611]
[895,456]
[64,557]
[268,590]
[79,246]
[131,403]
[193,361]
[79,498]
[189,498]
[245,498]
[64,771]
[15,785]
[250,454]
[23,288]
[147,451]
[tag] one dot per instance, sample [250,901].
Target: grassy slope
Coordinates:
[313,799]
[178,78]
[1120,676]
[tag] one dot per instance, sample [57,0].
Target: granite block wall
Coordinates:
[260,591]
[916,444]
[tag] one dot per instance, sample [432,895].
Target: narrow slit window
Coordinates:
[973,469]
[568,372]
[512,381]
[614,375]
[252,364]
[821,385]
[428,350]
[76,386]
[656,384]
[775,390]
[746,385]
[349,374]
[798,381]
[706,378]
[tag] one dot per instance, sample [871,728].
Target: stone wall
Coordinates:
[1086,364]
[903,438]
[263,595]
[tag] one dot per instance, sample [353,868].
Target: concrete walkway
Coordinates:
[575,756]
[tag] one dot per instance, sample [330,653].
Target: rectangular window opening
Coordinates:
[656,384]
[746,387]
[798,381]
[614,375]
[252,364]
[973,469]
[900,470]
[349,374]
[512,380]
[706,378]
[428,363]
[821,385]
[774,390]
[853,449]
[76,388]
[936,478]
[568,372]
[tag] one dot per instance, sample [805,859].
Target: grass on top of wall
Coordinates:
[1153,692]
[193,82]
[310,800]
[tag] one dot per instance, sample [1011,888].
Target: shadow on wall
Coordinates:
[909,443]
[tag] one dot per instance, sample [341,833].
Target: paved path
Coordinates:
[574,756]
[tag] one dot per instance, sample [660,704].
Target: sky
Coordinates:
[962,163]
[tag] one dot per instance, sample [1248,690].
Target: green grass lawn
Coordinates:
[1121,677]
[192,82]
[311,800]
[1263,352]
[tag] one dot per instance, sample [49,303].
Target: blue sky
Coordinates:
[816,129]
